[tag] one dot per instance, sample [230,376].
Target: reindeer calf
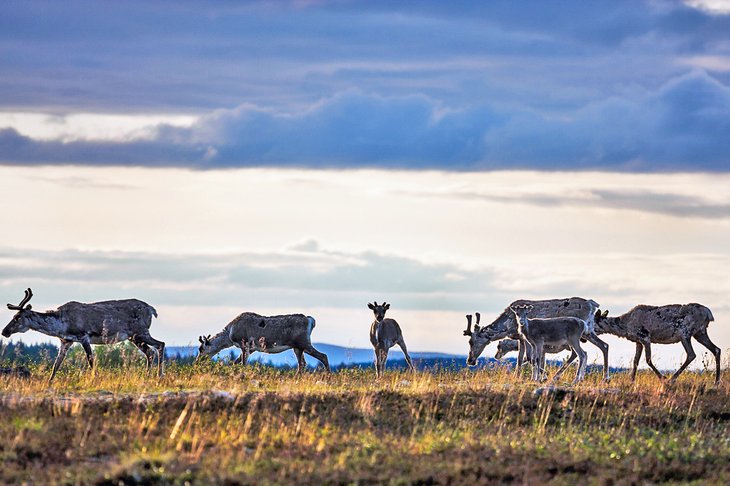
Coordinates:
[384,334]
[553,331]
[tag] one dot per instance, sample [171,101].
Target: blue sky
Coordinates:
[311,156]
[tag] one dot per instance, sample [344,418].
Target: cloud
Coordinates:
[716,7]
[305,275]
[681,126]
[677,205]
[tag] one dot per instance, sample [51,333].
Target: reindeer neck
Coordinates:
[47,323]
[503,326]
[613,325]
[523,323]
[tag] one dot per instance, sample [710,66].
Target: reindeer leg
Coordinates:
[318,355]
[583,358]
[300,360]
[637,357]
[704,340]
[687,343]
[543,368]
[521,351]
[566,363]
[245,353]
[402,345]
[603,346]
[148,352]
[62,350]
[541,371]
[89,353]
[647,348]
[159,347]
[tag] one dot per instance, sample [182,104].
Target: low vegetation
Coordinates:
[217,423]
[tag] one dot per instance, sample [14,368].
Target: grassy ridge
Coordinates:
[217,423]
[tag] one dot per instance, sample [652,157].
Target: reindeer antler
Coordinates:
[28,295]
[476,326]
[467,331]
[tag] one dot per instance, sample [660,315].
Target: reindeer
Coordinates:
[505,325]
[107,322]
[384,334]
[667,324]
[553,331]
[275,334]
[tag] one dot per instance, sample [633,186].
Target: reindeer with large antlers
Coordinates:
[107,322]
[384,334]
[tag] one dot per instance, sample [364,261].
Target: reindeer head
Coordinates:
[478,339]
[521,311]
[379,310]
[505,346]
[600,316]
[205,348]
[21,319]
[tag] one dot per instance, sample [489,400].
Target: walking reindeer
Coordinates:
[251,332]
[384,334]
[667,324]
[107,322]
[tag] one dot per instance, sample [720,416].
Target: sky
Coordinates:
[212,158]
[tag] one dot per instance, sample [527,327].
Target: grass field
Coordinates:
[255,425]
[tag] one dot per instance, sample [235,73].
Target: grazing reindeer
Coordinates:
[384,334]
[505,325]
[667,324]
[107,322]
[508,345]
[252,332]
[554,331]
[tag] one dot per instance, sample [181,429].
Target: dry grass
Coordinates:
[254,425]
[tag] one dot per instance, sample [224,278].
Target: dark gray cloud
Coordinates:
[648,201]
[681,126]
[194,56]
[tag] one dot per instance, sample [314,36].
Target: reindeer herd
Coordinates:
[530,327]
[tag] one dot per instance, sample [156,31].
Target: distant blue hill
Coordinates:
[344,357]
[337,356]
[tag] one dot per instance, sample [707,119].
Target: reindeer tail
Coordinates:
[710,317]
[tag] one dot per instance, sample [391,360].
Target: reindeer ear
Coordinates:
[28,307]
[605,313]
[386,306]
[371,306]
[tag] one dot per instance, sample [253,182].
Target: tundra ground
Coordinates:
[224,424]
